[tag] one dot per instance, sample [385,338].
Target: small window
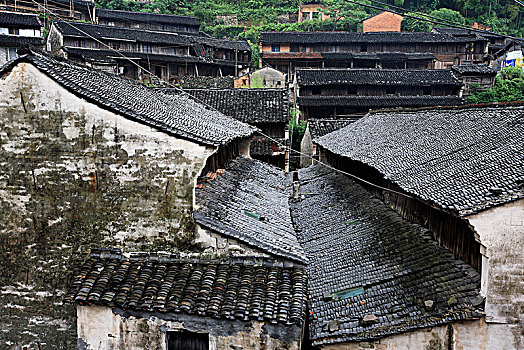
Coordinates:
[11,53]
[147,48]
[275,48]
[111,23]
[187,341]
[81,43]
[364,48]
[115,45]
[427,90]
[14,31]
[317,90]
[390,90]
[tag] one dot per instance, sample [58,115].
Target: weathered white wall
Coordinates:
[101,328]
[501,231]
[75,176]
[466,335]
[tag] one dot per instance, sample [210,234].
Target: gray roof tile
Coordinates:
[177,115]
[364,259]
[249,202]
[453,158]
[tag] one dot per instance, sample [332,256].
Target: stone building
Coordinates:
[458,172]
[267,109]
[286,51]
[89,159]
[382,22]
[343,93]
[17,30]
[167,55]
[267,76]
[147,21]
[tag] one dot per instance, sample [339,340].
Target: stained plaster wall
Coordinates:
[501,231]
[103,328]
[75,176]
[466,335]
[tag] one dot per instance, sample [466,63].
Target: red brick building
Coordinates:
[382,22]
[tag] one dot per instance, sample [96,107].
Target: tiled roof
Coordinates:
[411,77]
[354,37]
[132,16]
[109,32]
[321,127]
[465,32]
[177,115]
[108,56]
[249,202]
[231,44]
[262,146]
[379,101]
[235,288]
[17,40]
[370,272]
[480,68]
[461,159]
[22,20]
[247,105]
[378,56]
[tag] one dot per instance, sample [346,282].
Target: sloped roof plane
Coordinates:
[249,202]
[178,115]
[370,272]
[234,288]
[462,159]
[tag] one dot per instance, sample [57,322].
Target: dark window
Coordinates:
[364,48]
[427,90]
[147,48]
[14,31]
[115,45]
[187,341]
[81,43]
[316,90]
[352,90]
[275,48]
[390,90]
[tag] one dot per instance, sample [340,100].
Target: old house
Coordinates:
[309,10]
[90,159]
[267,77]
[458,172]
[317,128]
[267,109]
[343,93]
[17,30]
[475,75]
[376,281]
[384,21]
[163,302]
[147,21]
[254,299]
[286,51]
[168,56]
[83,10]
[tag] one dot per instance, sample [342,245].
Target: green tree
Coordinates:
[509,86]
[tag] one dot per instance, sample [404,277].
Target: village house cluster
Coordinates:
[154,217]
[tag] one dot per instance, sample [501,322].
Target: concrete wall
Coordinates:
[75,176]
[103,328]
[501,231]
[466,335]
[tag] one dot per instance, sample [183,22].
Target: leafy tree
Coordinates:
[344,15]
[414,25]
[509,86]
